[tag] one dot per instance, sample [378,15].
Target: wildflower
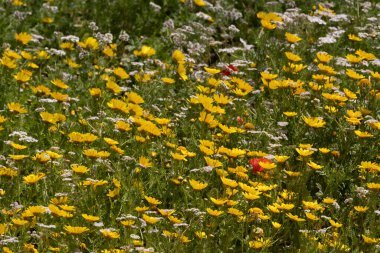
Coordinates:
[353,74]
[33,178]
[370,240]
[75,230]
[90,43]
[80,169]
[168,80]
[23,37]
[108,233]
[235,212]
[260,243]
[199,3]
[314,166]
[59,84]
[150,220]
[79,137]
[335,224]
[152,200]
[363,134]
[145,51]
[229,182]
[95,92]
[361,209]
[127,223]
[256,166]
[324,57]
[292,38]
[196,185]
[276,225]
[16,108]
[292,57]
[353,37]
[23,75]
[178,56]
[120,72]
[212,212]
[290,114]
[90,218]
[145,162]
[294,217]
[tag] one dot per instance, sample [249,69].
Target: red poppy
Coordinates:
[227,71]
[256,166]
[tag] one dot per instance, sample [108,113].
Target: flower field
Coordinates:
[189,126]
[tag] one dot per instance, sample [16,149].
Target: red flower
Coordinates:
[227,71]
[256,166]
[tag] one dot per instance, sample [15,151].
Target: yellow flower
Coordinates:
[95,92]
[59,96]
[353,37]
[75,230]
[150,220]
[260,243]
[267,24]
[311,216]
[292,57]
[276,225]
[329,200]
[80,169]
[196,185]
[295,217]
[79,137]
[363,134]
[312,205]
[234,211]
[314,166]
[314,122]
[292,38]
[335,224]
[108,233]
[152,200]
[361,209]
[181,70]
[16,108]
[33,178]
[19,222]
[373,186]
[212,212]
[120,72]
[369,240]
[354,75]
[267,165]
[145,51]
[23,37]
[212,71]
[122,126]
[365,55]
[199,3]
[59,84]
[111,85]
[127,223]
[168,80]
[290,114]
[90,43]
[281,158]
[178,56]
[144,162]
[90,218]
[229,182]
[135,98]
[304,152]
[23,75]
